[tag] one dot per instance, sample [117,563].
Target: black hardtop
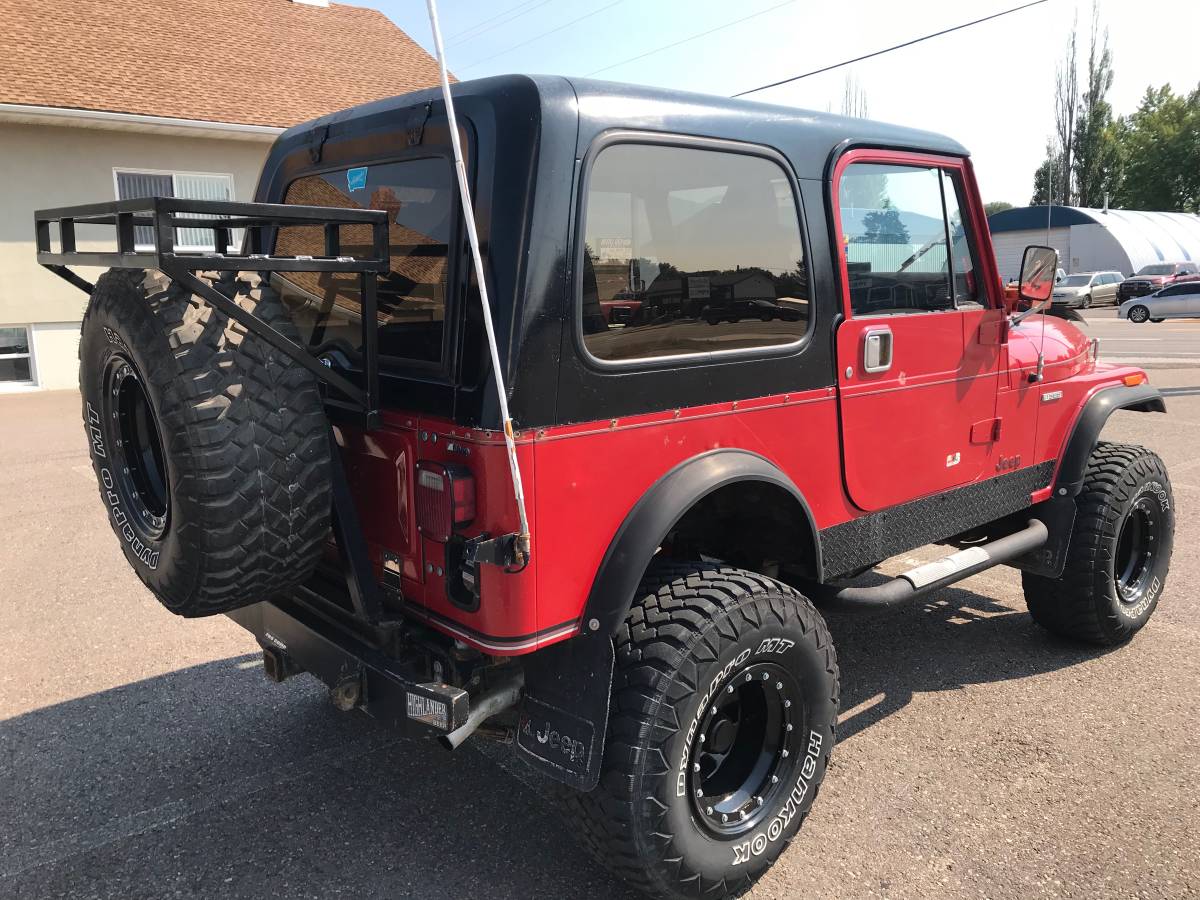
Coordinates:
[527,136]
[806,137]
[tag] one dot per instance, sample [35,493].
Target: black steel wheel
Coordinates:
[746,749]
[139,468]
[1119,554]
[724,706]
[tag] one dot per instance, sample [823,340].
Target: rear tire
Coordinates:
[1119,554]
[731,672]
[211,448]
[1158,321]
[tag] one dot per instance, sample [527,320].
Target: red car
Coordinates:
[309,436]
[1154,276]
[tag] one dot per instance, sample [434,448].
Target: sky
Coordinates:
[991,86]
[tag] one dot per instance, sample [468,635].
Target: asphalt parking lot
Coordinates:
[142,755]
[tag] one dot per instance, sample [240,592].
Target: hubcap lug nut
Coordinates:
[714,710]
[789,727]
[729,690]
[758,801]
[785,753]
[695,767]
[724,818]
[749,676]
[787,704]
[774,779]
[766,676]
[708,809]
[699,793]
[779,685]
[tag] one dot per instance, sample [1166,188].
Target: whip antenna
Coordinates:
[521,550]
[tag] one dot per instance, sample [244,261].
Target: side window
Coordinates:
[690,251]
[897,223]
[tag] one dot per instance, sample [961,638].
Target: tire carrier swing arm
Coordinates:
[163,215]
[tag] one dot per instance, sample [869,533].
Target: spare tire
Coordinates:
[211,447]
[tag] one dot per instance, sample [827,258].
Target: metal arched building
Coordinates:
[1089,240]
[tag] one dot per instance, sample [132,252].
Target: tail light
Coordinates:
[445,497]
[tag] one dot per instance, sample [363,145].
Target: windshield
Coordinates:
[1076,281]
[1156,270]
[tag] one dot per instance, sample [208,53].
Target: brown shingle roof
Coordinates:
[258,62]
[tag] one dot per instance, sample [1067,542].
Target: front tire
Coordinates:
[1119,554]
[725,701]
[1086,302]
[1139,314]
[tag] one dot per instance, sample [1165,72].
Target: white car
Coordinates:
[1179,300]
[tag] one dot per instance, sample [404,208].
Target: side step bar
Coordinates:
[941,572]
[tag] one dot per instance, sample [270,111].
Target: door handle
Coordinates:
[877,349]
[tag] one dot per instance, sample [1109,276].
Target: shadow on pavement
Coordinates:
[211,782]
[943,642]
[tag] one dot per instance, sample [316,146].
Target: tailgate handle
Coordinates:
[877,349]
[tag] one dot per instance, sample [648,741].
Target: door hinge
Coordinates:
[316,142]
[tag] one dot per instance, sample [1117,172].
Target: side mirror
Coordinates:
[1038,269]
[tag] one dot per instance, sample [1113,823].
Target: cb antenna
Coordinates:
[522,548]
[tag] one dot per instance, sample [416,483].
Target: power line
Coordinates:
[890,49]
[521,9]
[692,38]
[538,37]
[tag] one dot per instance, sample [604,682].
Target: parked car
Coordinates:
[338,470]
[1084,289]
[1154,276]
[1176,301]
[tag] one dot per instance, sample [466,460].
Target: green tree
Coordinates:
[1161,146]
[996,206]
[1051,175]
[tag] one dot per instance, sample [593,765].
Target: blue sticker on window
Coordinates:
[356,179]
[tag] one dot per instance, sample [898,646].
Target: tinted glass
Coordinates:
[418,195]
[1175,289]
[895,221]
[1075,281]
[1156,269]
[690,251]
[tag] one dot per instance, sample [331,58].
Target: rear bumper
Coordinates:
[299,638]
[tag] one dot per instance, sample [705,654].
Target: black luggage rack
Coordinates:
[163,215]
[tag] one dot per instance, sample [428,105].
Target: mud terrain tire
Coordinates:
[211,448]
[706,662]
[1120,550]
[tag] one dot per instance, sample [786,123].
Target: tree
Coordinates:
[1095,158]
[1161,149]
[854,99]
[883,226]
[996,206]
[1049,178]
[1060,149]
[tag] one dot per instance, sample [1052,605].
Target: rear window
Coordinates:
[690,251]
[418,195]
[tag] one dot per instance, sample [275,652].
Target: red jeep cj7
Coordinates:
[814,369]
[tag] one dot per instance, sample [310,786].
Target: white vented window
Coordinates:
[133,184]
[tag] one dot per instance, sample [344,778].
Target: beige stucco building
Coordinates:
[92,110]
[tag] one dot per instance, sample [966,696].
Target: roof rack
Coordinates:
[163,215]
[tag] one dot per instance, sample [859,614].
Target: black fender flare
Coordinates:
[1090,422]
[569,684]
[656,513]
